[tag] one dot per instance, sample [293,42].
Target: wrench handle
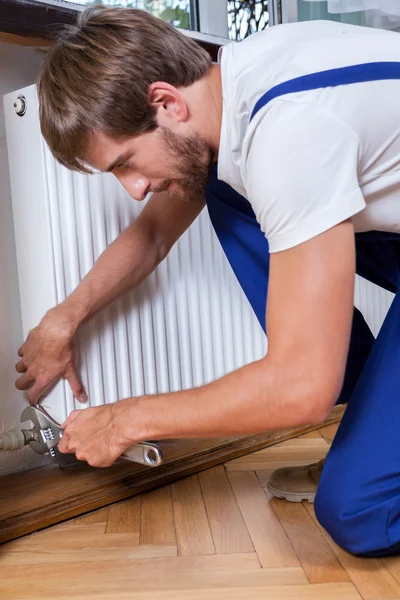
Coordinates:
[144,453]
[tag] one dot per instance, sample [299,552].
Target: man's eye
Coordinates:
[124,165]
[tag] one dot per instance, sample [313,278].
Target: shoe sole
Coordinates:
[291,496]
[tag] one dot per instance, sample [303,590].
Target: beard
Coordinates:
[193,158]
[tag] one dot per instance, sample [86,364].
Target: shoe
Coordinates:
[296,484]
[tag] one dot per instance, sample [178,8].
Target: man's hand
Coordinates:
[97,435]
[47,355]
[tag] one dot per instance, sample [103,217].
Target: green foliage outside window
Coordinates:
[175,12]
[246,17]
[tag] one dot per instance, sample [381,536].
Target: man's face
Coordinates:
[158,161]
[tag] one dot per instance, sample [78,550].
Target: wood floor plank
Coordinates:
[157,521]
[306,450]
[325,591]
[268,536]
[309,435]
[392,563]
[69,539]
[145,558]
[370,576]
[228,529]
[59,532]
[290,453]
[113,578]
[307,441]
[266,465]
[316,556]
[191,524]
[149,568]
[328,432]
[47,557]
[303,443]
[124,516]
[83,528]
[67,523]
[97,516]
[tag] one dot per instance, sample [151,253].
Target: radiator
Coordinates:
[373,302]
[186,325]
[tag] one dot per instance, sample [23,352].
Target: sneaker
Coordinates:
[296,484]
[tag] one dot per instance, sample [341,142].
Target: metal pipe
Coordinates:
[15,439]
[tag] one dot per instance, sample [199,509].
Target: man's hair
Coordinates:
[96,78]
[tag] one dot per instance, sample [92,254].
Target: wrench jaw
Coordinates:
[47,431]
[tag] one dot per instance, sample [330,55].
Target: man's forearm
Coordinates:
[250,400]
[121,267]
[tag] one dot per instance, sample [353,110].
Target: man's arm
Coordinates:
[309,312]
[48,352]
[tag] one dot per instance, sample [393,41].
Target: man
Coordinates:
[304,121]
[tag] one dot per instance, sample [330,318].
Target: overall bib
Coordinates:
[358,499]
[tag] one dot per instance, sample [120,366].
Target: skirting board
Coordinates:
[32,500]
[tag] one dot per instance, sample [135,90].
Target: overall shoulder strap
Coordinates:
[375,71]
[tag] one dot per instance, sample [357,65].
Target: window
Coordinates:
[247,16]
[236,19]
[176,12]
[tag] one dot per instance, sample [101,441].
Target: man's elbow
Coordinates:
[318,401]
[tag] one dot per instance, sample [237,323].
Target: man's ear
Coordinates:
[168,102]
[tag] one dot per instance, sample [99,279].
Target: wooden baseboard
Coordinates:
[35,499]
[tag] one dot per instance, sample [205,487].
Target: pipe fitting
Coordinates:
[14,440]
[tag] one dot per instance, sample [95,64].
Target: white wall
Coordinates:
[18,68]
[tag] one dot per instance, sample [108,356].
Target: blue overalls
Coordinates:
[358,499]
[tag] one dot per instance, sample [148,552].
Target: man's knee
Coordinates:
[328,511]
[355,526]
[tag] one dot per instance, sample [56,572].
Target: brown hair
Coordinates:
[96,77]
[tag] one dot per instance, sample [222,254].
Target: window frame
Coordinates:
[43,19]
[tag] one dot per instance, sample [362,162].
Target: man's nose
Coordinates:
[137,186]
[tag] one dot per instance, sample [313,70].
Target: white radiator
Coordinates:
[188,324]
[373,302]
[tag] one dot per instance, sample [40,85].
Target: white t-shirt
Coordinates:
[309,160]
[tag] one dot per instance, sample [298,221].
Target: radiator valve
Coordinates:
[20,106]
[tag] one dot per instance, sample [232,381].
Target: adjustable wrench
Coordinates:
[47,433]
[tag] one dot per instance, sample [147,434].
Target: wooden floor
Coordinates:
[212,536]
